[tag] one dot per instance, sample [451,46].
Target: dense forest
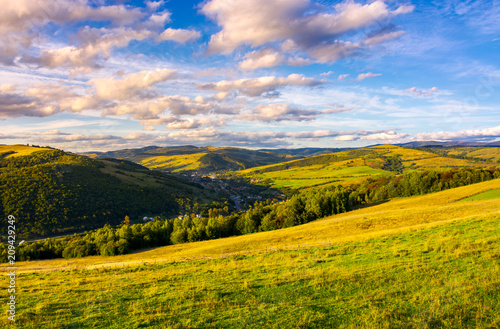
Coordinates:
[301,208]
[55,192]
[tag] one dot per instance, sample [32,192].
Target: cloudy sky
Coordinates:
[99,75]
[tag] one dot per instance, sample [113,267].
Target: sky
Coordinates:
[84,75]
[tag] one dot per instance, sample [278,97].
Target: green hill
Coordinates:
[51,191]
[201,159]
[421,262]
[353,166]
[491,154]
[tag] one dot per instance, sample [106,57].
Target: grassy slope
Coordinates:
[173,163]
[488,195]
[67,182]
[411,263]
[486,153]
[190,158]
[19,150]
[336,170]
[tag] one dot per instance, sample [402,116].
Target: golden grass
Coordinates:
[20,150]
[174,163]
[357,169]
[392,217]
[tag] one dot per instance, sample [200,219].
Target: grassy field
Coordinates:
[173,163]
[486,153]
[206,159]
[348,168]
[18,150]
[488,195]
[420,262]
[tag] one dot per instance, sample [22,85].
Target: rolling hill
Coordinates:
[353,166]
[200,159]
[491,154]
[52,191]
[419,262]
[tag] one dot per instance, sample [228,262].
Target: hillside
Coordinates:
[306,152]
[201,159]
[52,191]
[427,261]
[491,154]
[353,166]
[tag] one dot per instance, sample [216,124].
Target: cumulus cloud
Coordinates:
[279,112]
[417,92]
[20,19]
[389,135]
[94,44]
[269,57]
[258,86]
[462,135]
[367,75]
[179,35]
[130,85]
[263,58]
[342,77]
[34,102]
[298,25]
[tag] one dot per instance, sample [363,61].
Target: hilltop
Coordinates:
[52,191]
[200,159]
[353,166]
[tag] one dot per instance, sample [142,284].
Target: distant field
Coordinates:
[420,262]
[321,175]
[488,195]
[19,150]
[486,153]
[174,163]
[351,166]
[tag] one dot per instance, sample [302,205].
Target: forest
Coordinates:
[56,192]
[301,208]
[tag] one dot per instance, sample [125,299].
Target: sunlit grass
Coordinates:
[174,163]
[427,277]
[488,195]
[419,262]
[347,171]
[20,150]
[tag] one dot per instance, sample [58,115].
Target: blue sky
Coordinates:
[101,75]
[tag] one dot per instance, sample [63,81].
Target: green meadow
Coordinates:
[350,167]
[429,261]
[488,195]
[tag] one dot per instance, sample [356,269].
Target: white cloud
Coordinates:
[94,44]
[384,136]
[417,92]
[300,26]
[260,21]
[263,58]
[472,134]
[279,112]
[179,35]
[20,19]
[258,86]
[367,75]
[342,77]
[130,85]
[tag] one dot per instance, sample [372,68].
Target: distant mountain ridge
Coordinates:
[207,159]
[192,158]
